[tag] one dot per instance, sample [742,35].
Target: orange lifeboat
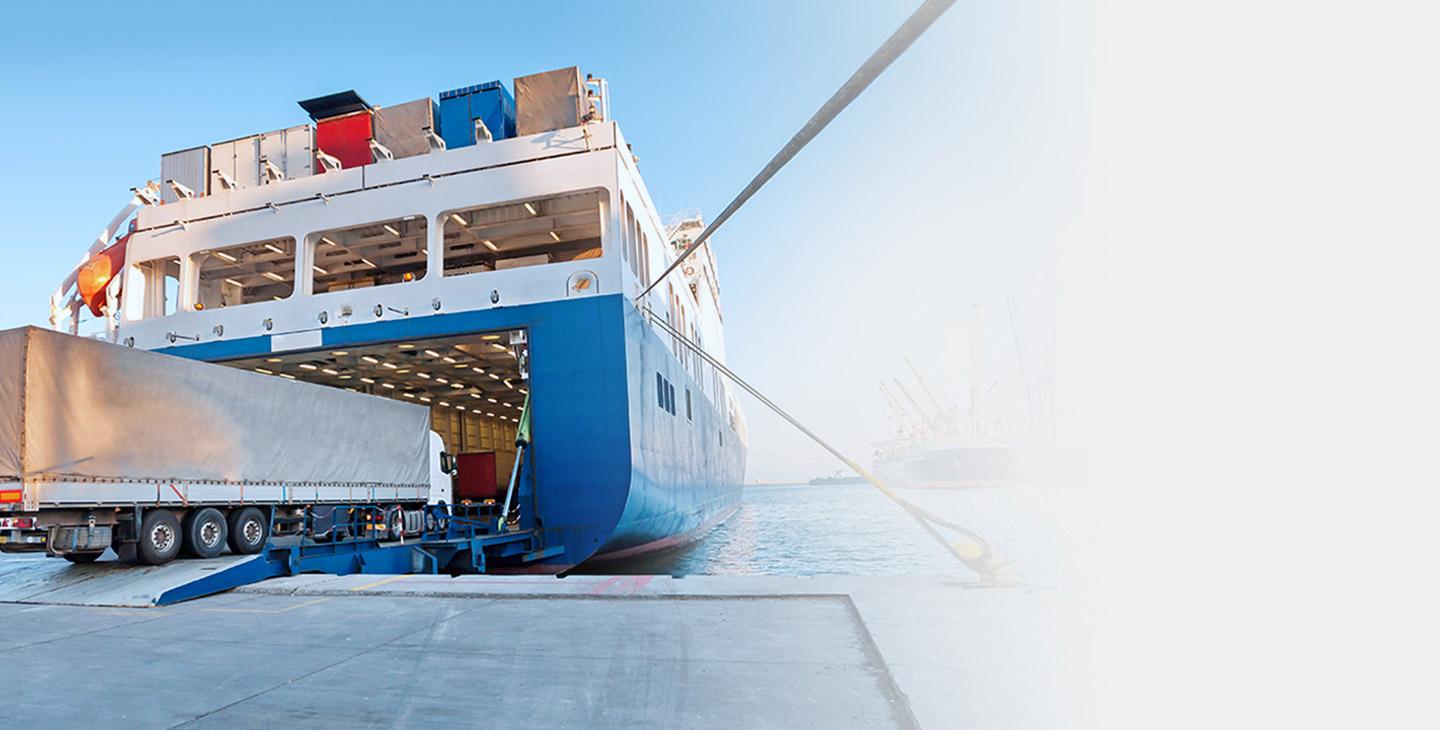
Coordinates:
[97,273]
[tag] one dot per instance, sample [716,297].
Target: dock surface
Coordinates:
[584,651]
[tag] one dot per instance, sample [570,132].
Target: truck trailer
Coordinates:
[107,446]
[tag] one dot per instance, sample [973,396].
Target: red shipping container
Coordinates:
[476,476]
[346,138]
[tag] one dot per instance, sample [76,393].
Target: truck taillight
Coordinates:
[17,523]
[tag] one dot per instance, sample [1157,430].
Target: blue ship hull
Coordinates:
[612,471]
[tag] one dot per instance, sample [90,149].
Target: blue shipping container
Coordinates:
[490,102]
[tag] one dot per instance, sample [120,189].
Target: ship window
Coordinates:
[158,283]
[526,233]
[660,390]
[384,252]
[688,413]
[251,272]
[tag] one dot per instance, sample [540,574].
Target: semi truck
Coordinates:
[104,446]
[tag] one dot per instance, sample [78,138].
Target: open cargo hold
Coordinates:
[489,102]
[548,101]
[401,128]
[347,138]
[88,422]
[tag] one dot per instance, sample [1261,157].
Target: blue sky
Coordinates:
[951,180]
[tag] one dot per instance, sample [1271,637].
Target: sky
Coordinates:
[953,180]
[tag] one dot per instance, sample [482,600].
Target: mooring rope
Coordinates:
[891,49]
[971,550]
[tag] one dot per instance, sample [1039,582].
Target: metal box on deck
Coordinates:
[489,102]
[289,150]
[190,168]
[477,476]
[548,101]
[346,138]
[401,128]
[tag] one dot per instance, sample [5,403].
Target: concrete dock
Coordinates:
[584,651]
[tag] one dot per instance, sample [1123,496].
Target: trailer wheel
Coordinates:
[394,522]
[249,531]
[83,557]
[159,539]
[205,531]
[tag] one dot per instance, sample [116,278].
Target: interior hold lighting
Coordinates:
[330,371]
[478,370]
[402,371]
[498,346]
[345,377]
[274,359]
[445,403]
[406,346]
[532,210]
[272,276]
[423,399]
[227,257]
[233,282]
[490,245]
[490,337]
[329,242]
[458,386]
[275,248]
[476,396]
[307,366]
[368,381]
[390,365]
[408,395]
[369,263]
[391,229]
[493,376]
[391,386]
[492,415]
[369,359]
[459,408]
[340,353]
[508,384]
[263,371]
[526,392]
[432,353]
[320,271]
[423,375]
[492,400]
[458,220]
[555,236]
[287,376]
[461,366]
[441,381]
[447,358]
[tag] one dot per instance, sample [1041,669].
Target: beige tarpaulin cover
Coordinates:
[75,409]
[547,101]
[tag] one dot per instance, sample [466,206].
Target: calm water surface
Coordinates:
[797,529]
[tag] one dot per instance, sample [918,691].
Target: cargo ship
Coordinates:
[483,253]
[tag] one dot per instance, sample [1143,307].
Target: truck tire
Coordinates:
[159,539]
[249,531]
[394,522]
[205,531]
[83,557]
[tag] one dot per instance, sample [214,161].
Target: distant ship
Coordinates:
[936,448]
[837,478]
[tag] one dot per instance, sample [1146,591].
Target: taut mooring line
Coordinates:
[891,49]
[974,552]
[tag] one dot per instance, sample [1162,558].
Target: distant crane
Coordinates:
[925,418]
[942,421]
[900,415]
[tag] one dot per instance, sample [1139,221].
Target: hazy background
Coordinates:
[1237,200]
[953,180]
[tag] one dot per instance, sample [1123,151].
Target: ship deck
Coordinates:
[596,651]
